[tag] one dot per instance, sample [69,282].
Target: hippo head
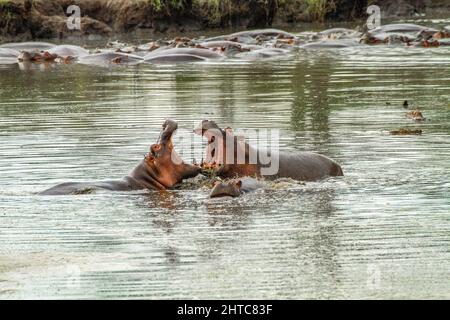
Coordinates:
[216,143]
[164,167]
[226,189]
[220,159]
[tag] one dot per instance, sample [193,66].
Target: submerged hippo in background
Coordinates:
[9,53]
[65,51]
[8,56]
[402,27]
[162,168]
[331,44]
[388,38]
[36,56]
[276,33]
[110,58]
[249,37]
[57,53]
[339,33]
[403,32]
[227,47]
[174,58]
[28,46]
[224,160]
[236,187]
[173,55]
[264,53]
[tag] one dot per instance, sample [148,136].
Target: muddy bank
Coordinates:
[34,19]
[47,18]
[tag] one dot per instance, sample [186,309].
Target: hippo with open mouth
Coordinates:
[229,156]
[161,169]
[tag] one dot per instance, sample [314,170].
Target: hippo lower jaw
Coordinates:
[164,168]
[161,169]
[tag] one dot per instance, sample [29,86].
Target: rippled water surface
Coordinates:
[382,231]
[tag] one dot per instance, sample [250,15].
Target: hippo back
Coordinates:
[306,166]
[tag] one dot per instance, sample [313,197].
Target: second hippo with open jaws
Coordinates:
[229,156]
[161,169]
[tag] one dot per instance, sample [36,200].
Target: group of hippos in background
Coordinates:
[228,157]
[247,45]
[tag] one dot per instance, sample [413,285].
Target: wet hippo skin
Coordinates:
[299,165]
[162,168]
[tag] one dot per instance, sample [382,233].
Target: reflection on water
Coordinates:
[381,231]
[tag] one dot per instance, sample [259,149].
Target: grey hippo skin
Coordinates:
[109,59]
[174,55]
[61,52]
[223,159]
[29,46]
[8,56]
[65,51]
[248,37]
[264,53]
[236,187]
[227,47]
[402,27]
[161,169]
[331,44]
[174,58]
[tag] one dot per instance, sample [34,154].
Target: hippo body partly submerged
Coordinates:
[8,56]
[65,51]
[162,168]
[175,55]
[110,58]
[240,159]
[29,46]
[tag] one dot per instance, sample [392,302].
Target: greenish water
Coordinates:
[382,231]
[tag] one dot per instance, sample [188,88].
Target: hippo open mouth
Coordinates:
[164,164]
[165,138]
[214,159]
[162,168]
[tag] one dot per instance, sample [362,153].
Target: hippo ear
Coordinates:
[238,184]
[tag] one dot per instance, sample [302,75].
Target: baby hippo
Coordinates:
[235,188]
